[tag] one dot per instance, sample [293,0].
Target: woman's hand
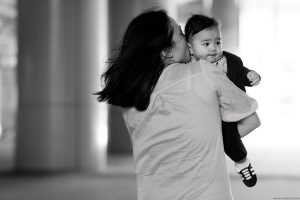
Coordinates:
[248,124]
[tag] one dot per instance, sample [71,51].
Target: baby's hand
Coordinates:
[253,77]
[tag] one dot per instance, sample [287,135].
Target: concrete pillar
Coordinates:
[228,12]
[58,117]
[120,14]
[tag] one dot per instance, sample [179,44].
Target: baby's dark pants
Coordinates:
[233,144]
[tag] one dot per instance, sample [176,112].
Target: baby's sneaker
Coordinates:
[245,169]
[248,176]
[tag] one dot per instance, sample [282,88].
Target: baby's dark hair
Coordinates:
[197,23]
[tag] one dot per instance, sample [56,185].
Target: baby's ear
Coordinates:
[190,48]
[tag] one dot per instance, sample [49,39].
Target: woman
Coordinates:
[173,111]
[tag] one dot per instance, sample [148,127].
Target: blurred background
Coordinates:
[58,143]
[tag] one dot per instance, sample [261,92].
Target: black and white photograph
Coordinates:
[149,100]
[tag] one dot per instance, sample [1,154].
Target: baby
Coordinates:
[204,36]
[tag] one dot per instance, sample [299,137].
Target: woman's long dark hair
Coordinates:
[133,73]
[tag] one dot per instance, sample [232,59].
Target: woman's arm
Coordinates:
[235,105]
[248,124]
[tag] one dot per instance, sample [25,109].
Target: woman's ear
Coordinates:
[166,56]
[166,53]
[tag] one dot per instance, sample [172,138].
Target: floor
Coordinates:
[118,183]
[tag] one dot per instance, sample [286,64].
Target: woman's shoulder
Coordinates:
[202,66]
[177,72]
[173,73]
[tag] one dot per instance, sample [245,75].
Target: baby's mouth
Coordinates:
[214,56]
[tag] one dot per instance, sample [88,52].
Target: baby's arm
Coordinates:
[249,77]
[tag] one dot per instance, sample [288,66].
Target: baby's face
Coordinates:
[207,44]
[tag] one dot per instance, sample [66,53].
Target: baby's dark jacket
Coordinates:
[236,71]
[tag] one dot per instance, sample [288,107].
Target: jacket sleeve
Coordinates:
[238,69]
[244,79]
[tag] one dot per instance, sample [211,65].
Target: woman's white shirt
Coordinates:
[177,142]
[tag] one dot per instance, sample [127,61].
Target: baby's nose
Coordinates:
[213,47]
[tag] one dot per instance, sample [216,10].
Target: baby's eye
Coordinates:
[219,43]
[205,44]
